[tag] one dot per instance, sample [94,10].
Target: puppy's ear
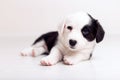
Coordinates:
[100,32]
[61,27]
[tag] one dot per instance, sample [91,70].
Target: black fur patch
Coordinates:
[93,30]
[90,56]
[100,33]
[89,31]
[50,39]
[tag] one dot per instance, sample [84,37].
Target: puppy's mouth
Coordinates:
[72,47]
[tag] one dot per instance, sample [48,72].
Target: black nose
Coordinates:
[72,42]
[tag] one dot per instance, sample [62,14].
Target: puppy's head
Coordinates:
[80,29]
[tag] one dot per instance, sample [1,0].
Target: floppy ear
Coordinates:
[100,32]
[61,27]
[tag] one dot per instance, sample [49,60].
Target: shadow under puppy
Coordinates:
[74,41]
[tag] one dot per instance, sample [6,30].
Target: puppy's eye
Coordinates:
[85,31]
[69,27]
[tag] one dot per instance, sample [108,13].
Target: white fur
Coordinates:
[54,57]
[35,50]
[62,49]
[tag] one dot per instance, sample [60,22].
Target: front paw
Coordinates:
[48,61]
[69,60]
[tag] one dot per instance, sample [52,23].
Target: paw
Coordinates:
[69,60]
[28,52]
[48,61]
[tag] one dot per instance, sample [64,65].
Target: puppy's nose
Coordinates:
[72,42]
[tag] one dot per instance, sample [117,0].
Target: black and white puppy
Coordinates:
[74,41]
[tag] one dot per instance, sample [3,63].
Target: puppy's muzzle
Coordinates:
[72,42]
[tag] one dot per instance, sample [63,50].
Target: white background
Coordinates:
[22,21]
[33,17]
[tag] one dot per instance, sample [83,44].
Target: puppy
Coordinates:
[74,41]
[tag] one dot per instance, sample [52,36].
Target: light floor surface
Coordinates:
[104,65]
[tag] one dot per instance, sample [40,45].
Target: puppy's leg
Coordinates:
[75,58]
[54,56]
[38,51]
[27,51]
[35,50]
